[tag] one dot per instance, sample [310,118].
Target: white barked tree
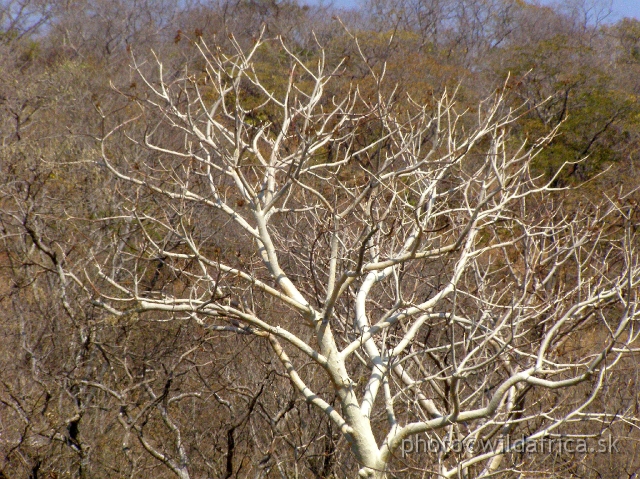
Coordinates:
[397,252]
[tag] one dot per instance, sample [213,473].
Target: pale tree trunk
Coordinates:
[429,274]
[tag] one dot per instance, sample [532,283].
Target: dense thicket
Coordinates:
[85,393]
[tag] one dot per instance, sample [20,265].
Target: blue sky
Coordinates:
[620,8]
[626,8]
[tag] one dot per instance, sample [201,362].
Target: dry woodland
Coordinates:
[265,239]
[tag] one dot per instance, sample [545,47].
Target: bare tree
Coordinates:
[398,252]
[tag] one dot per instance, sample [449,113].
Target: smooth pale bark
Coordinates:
[449,192]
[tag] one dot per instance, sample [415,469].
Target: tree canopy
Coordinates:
[267,239]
